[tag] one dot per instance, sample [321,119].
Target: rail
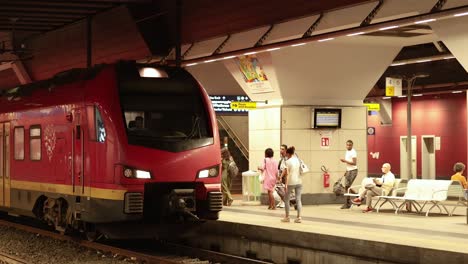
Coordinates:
[235,138]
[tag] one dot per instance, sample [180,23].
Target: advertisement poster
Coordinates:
[253,74]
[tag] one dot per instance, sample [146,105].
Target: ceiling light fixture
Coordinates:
[425,21]
[390,27]
[356,34]
[460,14]
[456,92]
[272,49]
[326,39]
[299,44]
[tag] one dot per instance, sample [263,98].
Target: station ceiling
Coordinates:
[207,19]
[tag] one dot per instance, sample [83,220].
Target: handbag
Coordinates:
[338,187]
[303,168]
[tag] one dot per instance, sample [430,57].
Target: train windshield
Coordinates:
[166,113]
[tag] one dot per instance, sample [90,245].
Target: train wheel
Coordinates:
[90,232]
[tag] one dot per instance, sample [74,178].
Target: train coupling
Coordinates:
[183,201]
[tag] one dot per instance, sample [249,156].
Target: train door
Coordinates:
[5,164]
[77,155]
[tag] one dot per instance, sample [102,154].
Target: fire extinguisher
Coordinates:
[326,177]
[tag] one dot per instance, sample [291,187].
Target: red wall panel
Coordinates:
[443,116]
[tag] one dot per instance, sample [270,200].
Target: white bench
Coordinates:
[384,198]
[361,188]
[457,192]
[421,191]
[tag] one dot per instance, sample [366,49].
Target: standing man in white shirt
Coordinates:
[351,170]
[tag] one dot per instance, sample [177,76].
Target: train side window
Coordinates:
[19,143]
[35,142]
[100,128]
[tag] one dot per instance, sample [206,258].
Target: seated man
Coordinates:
[380,185]
[458,168]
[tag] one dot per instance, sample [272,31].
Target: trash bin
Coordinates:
[250,186]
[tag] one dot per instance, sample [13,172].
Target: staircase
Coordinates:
[238,152]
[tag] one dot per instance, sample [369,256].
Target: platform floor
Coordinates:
[438,231]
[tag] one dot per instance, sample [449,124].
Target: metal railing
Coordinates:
[235,138]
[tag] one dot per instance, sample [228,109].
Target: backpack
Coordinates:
[233,170]
[338,188]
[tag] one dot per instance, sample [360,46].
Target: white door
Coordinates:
[428,157]
[404,158]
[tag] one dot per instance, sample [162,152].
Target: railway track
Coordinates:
[157,252]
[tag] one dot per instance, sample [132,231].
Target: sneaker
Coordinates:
[298,220]
[357,201]
[229,203]
[345,206]
[368,210]
[286,220]
[280,205]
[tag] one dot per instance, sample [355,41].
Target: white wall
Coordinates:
[296,131]
[264,132]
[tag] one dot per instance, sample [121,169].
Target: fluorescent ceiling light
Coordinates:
[386,97]
[207,61]
[461,14]
[398,64]
[455,92]
[420,61]
[297,45]
[272,49]
[417,94]
[425,21]
[385,28]
[355,34]
[250,53]
[229,57]
[191,64]
[448,58]
[327,39]
[402,96]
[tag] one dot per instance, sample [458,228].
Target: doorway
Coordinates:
[428,157]
[5,180]
[404,157]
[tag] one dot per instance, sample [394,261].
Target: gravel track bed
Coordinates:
[38,249]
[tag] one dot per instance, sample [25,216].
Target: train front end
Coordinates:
[170,165]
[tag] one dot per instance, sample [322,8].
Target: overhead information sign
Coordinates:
[393,87]
[372,106]
[222,104]
[244,105]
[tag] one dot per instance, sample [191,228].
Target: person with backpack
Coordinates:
[229,171]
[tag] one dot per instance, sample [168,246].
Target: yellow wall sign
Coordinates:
[243,105]
[373,107]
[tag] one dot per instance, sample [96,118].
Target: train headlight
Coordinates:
[208,172]
[138,174]
[143,174]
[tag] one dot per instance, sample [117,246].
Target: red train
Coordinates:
[113,144]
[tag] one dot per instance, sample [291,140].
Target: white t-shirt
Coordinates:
[350,154]
[294,176]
